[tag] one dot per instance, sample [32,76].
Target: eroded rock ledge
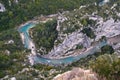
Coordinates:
[77,74]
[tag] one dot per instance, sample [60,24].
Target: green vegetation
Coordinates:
[83,63]
[28,9]
[12,63]
[10,40]
[86,22]
[79,47]
[76,20]
[44,35]
[11,53]
[107,66]
[88,31]
[107,49]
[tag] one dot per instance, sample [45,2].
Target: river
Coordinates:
[38,59]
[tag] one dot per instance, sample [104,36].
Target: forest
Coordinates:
[44,35]
[18,13]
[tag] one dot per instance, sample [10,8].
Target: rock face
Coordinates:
[69,42]
[2,8]
[76,74]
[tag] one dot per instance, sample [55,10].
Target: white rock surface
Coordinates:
[13,78]
[69,43]
[76,74]
[2,8]
[108,28]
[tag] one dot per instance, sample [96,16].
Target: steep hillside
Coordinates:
[19,11]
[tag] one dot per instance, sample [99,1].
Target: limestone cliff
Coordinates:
[77,74]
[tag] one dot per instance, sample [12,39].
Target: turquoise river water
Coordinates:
[38,59]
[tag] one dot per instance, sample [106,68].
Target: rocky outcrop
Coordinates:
[2,8]
[77,74]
